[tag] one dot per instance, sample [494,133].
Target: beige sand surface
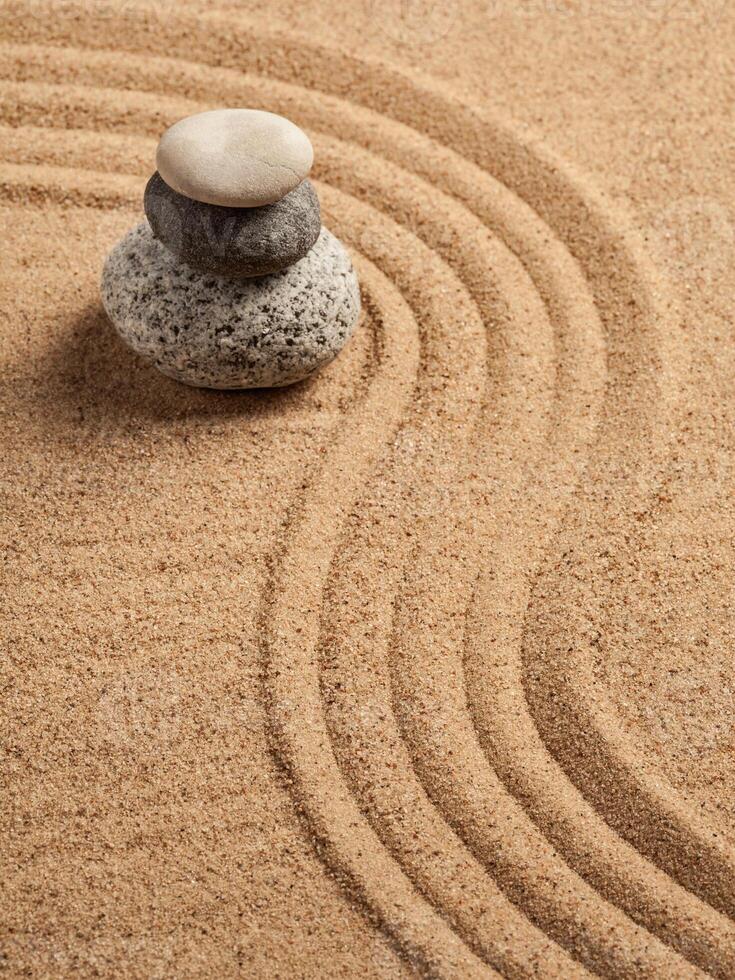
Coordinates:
[424,666]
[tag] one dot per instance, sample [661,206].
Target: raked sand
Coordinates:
[423,666]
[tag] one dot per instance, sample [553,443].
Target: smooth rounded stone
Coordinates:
[234,241]
[215,332]
[237,158]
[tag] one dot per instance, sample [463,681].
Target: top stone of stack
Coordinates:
[237,158]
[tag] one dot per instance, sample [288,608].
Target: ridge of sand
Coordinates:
[422,658]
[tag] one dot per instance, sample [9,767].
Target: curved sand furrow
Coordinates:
[615,869]
[613,774]
[365,741]
[83,149]
[567,819]
[35,184]
[519,403]
[341,833]
[548,902]
[634,797]
[699,933]
[345,839]
[623,783]
[648,309]
[685,924]
[677,918]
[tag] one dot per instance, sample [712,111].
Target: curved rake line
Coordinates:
[698,929]
[499,944]
[25,184]
[445,686]
[664,957]
[569,822]
[347,842]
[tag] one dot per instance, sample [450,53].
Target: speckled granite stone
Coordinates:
[234,241]
[215,332]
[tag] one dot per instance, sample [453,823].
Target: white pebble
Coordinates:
[238,158]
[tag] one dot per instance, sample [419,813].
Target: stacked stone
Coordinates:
[232,282]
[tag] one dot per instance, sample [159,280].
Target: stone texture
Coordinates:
[216,332]
[237,158]
[234,241]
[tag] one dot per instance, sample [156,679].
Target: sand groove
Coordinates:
[479,833]
[444,414]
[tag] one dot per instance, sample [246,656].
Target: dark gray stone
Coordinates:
[236,242]
[217,332]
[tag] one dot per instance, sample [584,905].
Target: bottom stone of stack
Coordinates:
[214,332]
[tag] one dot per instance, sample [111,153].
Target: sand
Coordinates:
[424,666]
